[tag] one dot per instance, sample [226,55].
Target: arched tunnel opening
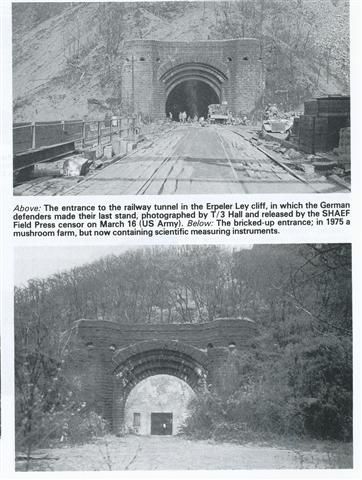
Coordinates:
[134,365]
[192,97]
[158,405]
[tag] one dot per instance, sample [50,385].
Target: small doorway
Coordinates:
[161,423]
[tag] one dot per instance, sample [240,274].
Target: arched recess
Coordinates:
[160,394]
[145,359]
[191,86]
[191,96]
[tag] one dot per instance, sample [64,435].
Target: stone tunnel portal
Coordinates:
[151,358]
[119,356]
[192,97]
[158,405]
[159,77]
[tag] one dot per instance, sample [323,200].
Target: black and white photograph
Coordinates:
[183,357]
[163,98]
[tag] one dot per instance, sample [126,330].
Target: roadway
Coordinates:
[133,452]
[188,159]
[192,159]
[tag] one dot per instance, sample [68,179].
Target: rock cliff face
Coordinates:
[67,57]
[61,68]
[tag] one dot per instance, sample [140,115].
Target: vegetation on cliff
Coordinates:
[296,378]
[66,54]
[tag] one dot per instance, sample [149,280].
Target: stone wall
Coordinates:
[220,333]
[115,357]
[233,67]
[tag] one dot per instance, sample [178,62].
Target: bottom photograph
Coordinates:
[183,358]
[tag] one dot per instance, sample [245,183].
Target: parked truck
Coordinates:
[218,113]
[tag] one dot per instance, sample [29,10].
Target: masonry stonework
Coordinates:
[152,69]
[115,357]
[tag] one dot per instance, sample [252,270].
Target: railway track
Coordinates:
[193,160]
[273,158]
[143,188]
[277,162]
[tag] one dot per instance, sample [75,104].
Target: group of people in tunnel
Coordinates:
[189,100]
[184,118]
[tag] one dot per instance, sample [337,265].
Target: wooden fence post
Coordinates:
[33,144]
[63,130]
[83,134]
[99,133]
[133,128]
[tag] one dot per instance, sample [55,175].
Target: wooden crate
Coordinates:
[306,133]
[320,134]
[311,107]
[333,106]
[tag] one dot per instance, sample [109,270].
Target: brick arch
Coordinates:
[146,359]
[174,74]
[216,63]
[207,61]
[199,78]
[145,346]
[111,348]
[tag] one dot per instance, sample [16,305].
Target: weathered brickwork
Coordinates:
[152,69]
[118,356]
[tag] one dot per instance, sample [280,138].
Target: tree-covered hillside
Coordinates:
[295,379]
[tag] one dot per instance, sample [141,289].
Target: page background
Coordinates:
[7,273]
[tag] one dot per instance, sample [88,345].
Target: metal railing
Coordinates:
[32,136]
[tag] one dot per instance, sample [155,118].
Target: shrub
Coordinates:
[83,427]
[307,390]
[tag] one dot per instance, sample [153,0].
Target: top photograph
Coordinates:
[164,98]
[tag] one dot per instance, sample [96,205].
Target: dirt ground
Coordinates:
[177,453]
[186,159]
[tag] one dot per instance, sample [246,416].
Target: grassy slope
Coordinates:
[46,87]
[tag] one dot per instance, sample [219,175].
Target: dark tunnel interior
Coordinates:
[191,96]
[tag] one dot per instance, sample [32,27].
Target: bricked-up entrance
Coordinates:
[150,358]
[154,70]
[115,357]
[161,423]
[159,393]
[191,96]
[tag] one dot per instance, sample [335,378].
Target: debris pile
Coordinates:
[312,165]
[316,142]
[322,121]
[276,121]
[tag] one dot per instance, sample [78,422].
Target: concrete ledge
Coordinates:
[43,154]
[220,332]
[284,143]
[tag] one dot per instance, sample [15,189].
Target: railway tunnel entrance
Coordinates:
[158,405]
[142,361]
[192,97]
[114,360]
[191,87]
[162,77]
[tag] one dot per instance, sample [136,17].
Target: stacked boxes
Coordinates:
[322,121]
[344,147]
[306,133]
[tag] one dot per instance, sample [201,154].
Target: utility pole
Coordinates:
[133,99]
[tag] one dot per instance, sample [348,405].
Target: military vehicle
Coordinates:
[218,113]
